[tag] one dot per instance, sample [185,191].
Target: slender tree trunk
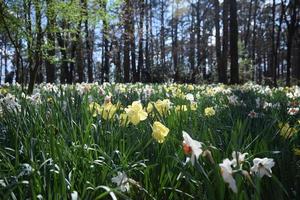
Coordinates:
[132,44]
[273,66]
[292,26]
[254,43]
[88,45]
[175,45]
[246,41]
[50,67]
[198,33]
[141,40]
[38,45]
[105,74]
[146,72]
[126,63]
[162,38]
[218,41]
[225,41]
[278,40]
[192,45]
[234,65]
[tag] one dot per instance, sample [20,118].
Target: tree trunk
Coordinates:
[105,75]
[224,42]
[273,66]
[175,45]
[162,38]
[218,41]
[234,65]
[38,45]
[141,39]
[192,45]
[132,44]
[126,63]
[253,57]
[246,41]
[88,45]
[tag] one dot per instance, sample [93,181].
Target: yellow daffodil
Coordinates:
[124,119]
[149,107]
[297,151]
[286,131]
[3,91]
[190,87]
[136,113]
[162,106]
[108,111]
[180,108]
[95,109]
[194,106]
[209,111]
[159,132]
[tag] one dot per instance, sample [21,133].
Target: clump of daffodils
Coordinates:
[209,111]
[159,132]
[136,113]
[107,110]
[261,167]
[162,106]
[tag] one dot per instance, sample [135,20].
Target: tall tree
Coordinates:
[292,24]
[218,41]
[141,40]
[37,45]
[192,44]
[126,18]
[234,65]
[88,43]
[105,24]
[175,48]
[224,42]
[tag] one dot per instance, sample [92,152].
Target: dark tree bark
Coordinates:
[105,74]
[141,40]
[146,72]
[132,44]
[218,41]
[234,65]
[38,45]
[273,66]
[277,45]
[224,42]
[162,38]
[253,56]
[88,45]
[126,63]
[175,45]
[50,67]
[246,41]
[292,25]
[198,33]
[192,45]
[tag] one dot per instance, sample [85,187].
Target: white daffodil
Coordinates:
[191,146]
[262,166]
[190,97]
[122,181]
[226,172]
[74,195]
[238,157]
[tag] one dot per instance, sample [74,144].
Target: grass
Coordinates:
[51,145]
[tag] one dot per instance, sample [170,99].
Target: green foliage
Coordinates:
[54,148]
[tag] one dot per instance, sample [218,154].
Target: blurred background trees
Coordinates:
[228,41]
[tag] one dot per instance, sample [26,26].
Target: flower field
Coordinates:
[157,141]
